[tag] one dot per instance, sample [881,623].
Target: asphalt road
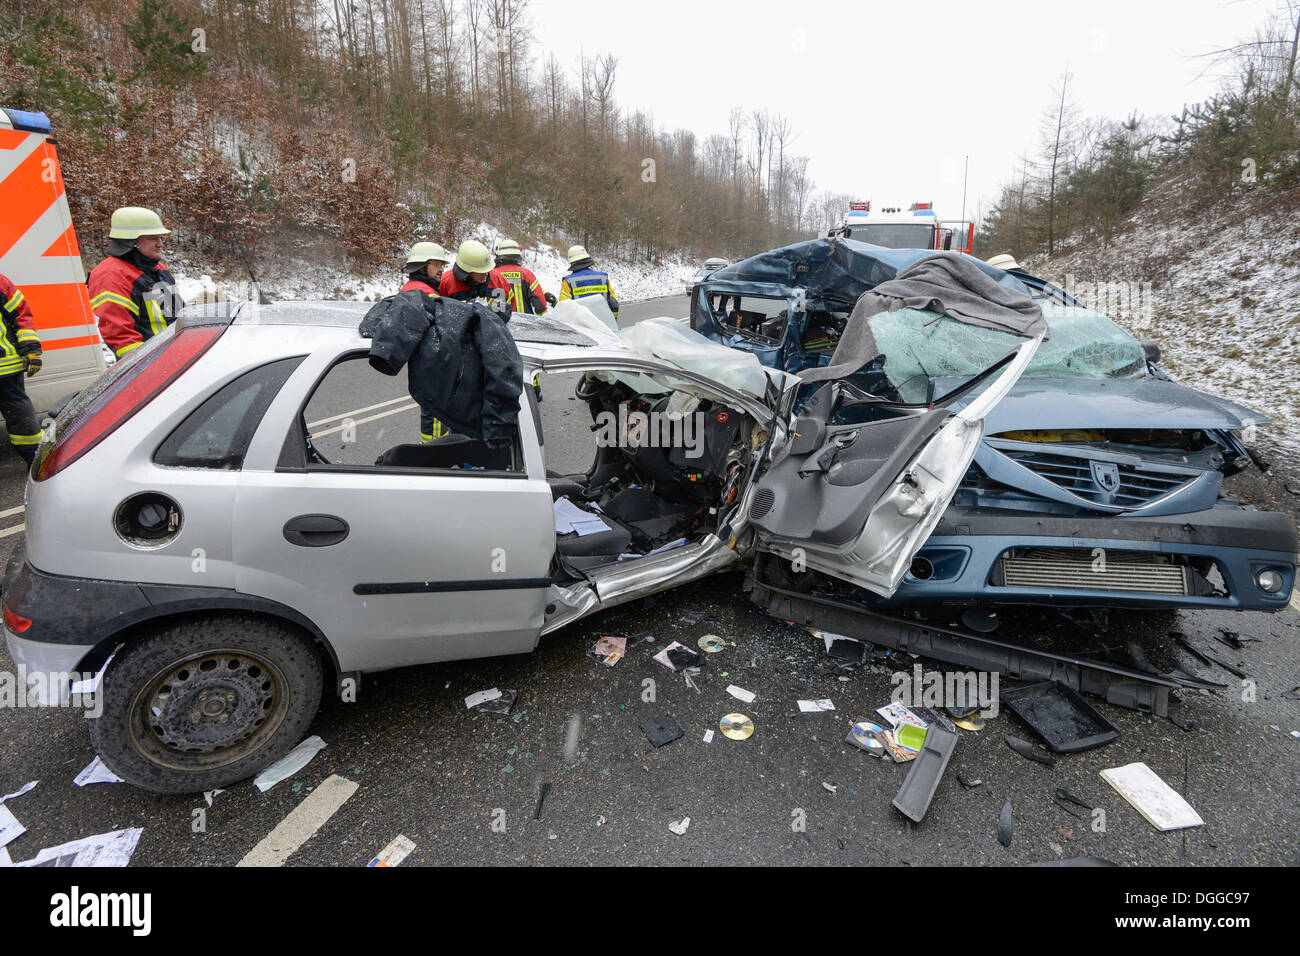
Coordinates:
[464,786]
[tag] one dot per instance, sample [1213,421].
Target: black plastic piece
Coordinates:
[1029,751]
[927,769]
[1065,721]
[1004,824]
[661,730]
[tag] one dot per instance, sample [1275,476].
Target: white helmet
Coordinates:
[473,256]
[577,254]
[424,252]
[1004,260]
[507,247]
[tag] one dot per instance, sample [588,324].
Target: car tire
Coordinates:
[204,702]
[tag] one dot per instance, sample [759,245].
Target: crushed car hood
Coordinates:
[1145,402]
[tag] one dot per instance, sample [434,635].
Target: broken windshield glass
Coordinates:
[920,347]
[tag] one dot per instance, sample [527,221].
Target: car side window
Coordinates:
[358,419]
[217,433]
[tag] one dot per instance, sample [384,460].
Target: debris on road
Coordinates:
[815,706]
[1158,802]
[1230,668]
[289,764]
[679,826]
[542,791]
[711,643]
[210,795]
[829,787]
[1183,722]
[28,786]
[96,772]
[736,727]
[491,701]
[1064,799]
[867,736]
[661,730]
[896,713]
[914,796]
[677,656]
[970,783]
[1029,751]
[102,849]
[1060,717]
[396,851]
[708,736]
[1004,824]
[741,694]
[10,828]
[609,649]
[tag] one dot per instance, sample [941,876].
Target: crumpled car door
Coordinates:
[858,500]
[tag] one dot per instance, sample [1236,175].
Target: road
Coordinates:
[464,786]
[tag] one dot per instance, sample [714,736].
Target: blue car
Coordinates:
[1099,479]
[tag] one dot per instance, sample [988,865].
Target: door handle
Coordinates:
[315,531]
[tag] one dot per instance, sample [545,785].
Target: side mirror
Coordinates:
[1151,351]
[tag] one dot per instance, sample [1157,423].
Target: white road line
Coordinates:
[362,421]
[301,824]
[358,411]
[14,530]
[11,511]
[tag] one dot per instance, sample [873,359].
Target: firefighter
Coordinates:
[424,265]
[525,291]
[131,292]
[472,277]
[584,280]
[20,352]
[1005,261]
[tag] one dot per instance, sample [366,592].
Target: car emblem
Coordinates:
[1106,475]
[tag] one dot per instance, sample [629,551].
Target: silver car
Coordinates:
[239,515]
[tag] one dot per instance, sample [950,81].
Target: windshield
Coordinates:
[897,236]
[923,347]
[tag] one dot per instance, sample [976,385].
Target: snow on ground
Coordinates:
[1220,295]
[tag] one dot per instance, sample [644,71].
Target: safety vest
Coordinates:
[585,282]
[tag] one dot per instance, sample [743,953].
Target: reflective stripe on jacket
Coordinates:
[132,304]
[525,290]
[586,282]
[17,332]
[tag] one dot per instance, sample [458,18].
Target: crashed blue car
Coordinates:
[1098,482]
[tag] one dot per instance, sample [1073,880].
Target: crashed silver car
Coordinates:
[236,516]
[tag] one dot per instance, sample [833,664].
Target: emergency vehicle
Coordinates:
[38,251]
[918,227]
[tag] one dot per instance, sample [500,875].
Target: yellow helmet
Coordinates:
[577,254]
[1004,261]
[132,222]
[473,256]
[423,252]
[507,247]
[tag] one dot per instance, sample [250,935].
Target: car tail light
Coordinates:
[15,621]
[138,384]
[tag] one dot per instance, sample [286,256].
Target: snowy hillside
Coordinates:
[1219,293]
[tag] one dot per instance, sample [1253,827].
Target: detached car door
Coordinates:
[862,483]
[400,553]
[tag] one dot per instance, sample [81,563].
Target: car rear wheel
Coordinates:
[205,702]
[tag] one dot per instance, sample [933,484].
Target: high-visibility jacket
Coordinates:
[453,288]
[419,285]
[17,332]
[586,282]
[132,303]
[525,290]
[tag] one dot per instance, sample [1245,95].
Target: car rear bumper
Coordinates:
[966,560]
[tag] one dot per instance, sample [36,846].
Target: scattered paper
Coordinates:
[500,704]
[289,764]
[741,694]
[10,828]
[1158,802]
[609,650]
[96,772]
[662,656]
[19,792]
[679,826]
[569,518]
[708,736]
[103,849]
[396,851]
[896,712]
[209,795]
[830,787]
[482,697]
[815,706]
[4,858]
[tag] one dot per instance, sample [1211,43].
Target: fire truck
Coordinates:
[38,251]
[917,227]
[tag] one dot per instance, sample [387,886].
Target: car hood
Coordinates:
[1146,402]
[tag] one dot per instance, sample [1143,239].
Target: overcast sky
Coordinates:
[889,98]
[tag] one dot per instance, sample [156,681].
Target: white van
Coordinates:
[38,251]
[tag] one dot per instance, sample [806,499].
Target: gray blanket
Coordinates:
[949,284]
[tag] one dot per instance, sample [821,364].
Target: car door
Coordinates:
[414,560]
[857,499]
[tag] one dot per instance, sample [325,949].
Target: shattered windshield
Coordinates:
[921,347]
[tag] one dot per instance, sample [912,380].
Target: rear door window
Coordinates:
[217,433]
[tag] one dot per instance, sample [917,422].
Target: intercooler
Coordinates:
[1081,569]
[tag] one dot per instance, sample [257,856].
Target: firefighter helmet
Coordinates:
[132,222]
[577,254]
[422,253]
[1004,260]
[473,257]
[506,247]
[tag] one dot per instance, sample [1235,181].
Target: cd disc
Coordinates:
[711,643]
[736,726]
[864,734]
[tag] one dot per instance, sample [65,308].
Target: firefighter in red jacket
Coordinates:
[424,265]
[132,293]
[472,277]
[525,291]
[20,352]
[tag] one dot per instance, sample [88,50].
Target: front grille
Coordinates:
[1137,485]
[1082,570]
